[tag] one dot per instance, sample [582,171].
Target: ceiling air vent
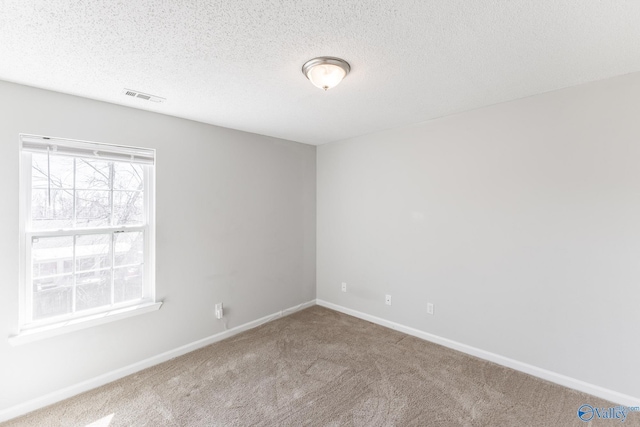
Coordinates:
[144,96]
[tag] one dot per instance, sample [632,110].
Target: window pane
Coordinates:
[127,176]
[93,289]
[51,268]
[129,248]
[45,269]
[127,283]
[93,174]
[128,207]
[93,251]
[93,209]
[51,255]
[52,296]
[59,169]
[51,216]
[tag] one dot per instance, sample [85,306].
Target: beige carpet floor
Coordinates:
[318,367]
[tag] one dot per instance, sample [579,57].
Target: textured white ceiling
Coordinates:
[237,63]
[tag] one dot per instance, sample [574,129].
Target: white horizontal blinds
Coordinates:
[92,150]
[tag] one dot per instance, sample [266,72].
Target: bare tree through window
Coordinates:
[83,271]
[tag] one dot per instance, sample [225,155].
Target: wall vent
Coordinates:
[145,96]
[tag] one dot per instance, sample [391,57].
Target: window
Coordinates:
[87,230]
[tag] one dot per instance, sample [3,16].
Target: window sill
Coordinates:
[35,334]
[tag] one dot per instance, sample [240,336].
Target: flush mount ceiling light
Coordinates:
[326,72]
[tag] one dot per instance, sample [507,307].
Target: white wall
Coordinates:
[235,224]
[520,222]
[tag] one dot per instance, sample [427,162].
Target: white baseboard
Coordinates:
[67,392]
[563,380]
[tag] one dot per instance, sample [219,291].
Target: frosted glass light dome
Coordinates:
[326,72]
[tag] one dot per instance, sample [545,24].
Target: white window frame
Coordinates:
[29,329]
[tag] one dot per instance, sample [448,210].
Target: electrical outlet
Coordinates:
[219,311]
[344,287]
[429,308]
[387,299]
